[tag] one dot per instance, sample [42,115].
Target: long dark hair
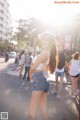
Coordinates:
[61,62]
[53,59]
[22,52]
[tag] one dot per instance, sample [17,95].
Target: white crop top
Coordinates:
[41,66]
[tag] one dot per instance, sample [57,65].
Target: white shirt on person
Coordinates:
[22,60]
[75,67]
[41,66]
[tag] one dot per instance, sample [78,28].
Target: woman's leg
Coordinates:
[21,69]
[34,103]
[57,85]
[43,105]
[24,76]
[60,86]
[75,84]
[28,77]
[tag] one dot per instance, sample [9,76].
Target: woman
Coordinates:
[44,62]
[74,72]
[21,62]
[60,73]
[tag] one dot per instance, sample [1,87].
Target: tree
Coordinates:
[76,31]
[27,31]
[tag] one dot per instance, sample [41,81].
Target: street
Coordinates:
[15,97]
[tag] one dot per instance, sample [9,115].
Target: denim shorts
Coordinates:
[57,74]
[40,83]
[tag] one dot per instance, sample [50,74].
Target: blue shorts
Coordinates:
[57,74]
[40,83]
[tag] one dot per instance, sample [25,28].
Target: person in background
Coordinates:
[6,57]
[38,52]
[74,72]
[60,73]
[17,58]
[28,62]
[46,61]
[21,62]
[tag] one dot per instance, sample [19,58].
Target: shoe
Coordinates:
[20,76]
[55,93]
[73,96]
[31,81]
[58,97]
[28,79]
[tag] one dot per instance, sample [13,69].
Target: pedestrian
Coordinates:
[59,73]
[21,62]
[46,61]
[74,72]
[17,58]
[6,57]
[28,62]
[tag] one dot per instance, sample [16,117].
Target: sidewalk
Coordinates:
[51,79]
[9,67]
[15,96]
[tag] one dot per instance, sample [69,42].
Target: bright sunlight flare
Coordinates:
[45,10]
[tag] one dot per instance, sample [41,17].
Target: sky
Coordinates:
[45,10]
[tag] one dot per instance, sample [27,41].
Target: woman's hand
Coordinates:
[30,73]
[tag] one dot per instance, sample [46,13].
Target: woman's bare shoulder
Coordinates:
[43,56]
[45,53]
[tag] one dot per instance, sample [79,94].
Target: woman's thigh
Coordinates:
[76,79]
[43,98]
[36,95]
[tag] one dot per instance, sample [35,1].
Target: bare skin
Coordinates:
[39,98]
[21,69]
[59,85]
[42,58]
[74,82]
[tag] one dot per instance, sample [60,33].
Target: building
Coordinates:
[4,18]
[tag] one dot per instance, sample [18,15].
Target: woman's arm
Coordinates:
[42,58]
[66,64]
[70,63]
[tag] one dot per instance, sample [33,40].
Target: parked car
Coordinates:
[12,54]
